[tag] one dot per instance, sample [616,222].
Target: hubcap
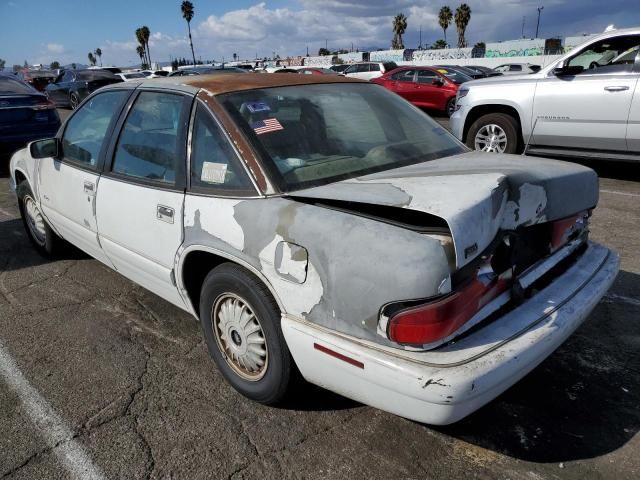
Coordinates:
[74,102]
[35,222]
[491,138]
[240,336]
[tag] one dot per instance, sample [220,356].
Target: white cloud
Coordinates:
[56,48]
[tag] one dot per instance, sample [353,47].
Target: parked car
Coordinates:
[155,73]
[517,69]
[73,86]
[108,69]
[316,71]
[25,115]
[131,76]
[584,105]
[38,79]
[488,72]
[426,87]
[472,74]
[339,68]
[369,70]
[186,72]
[476,267]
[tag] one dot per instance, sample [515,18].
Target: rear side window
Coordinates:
[85,132]
[148,146]
[374,67]
[214,164]
[515,68]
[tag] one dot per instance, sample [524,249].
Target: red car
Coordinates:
[427,87]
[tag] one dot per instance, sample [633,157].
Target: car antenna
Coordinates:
[526,147]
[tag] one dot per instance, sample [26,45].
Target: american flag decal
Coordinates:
[266,126]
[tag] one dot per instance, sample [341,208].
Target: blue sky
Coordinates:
[41,31]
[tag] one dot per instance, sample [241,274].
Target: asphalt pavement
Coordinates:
[101,378]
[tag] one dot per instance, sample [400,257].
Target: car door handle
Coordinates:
[89,188]
[616,88]
[165,213]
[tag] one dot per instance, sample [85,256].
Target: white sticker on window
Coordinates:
[213,172]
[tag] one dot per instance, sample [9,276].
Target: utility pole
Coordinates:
[326,44]
[538,25]
[523,20]
[420,46]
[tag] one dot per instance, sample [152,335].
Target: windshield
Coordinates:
[455,76]
[318,134]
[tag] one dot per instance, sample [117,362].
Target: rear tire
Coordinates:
[46,241]
[494,132]
[241,326]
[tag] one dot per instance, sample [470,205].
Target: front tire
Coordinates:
[38,230]
[495,133]
[241,325]
[74,100]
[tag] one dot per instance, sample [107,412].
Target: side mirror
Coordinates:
[49,147]
[437,82]
[565,69]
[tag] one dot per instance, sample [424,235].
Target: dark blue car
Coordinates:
[25,115]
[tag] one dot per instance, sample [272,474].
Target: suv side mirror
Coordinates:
[49,147]
[565,69]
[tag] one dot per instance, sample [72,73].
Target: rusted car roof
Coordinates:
[231,82]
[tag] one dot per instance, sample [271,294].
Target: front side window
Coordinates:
[214,164]
[148,147]
[426,76]
[613,55]
[85,132]
[67,77]
[311,135]
[403,76]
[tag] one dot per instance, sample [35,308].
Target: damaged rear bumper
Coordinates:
[444,385]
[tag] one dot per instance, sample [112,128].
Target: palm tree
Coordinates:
[399,27]
[187,14]
[140,38]
[439,44]
[141,53]
[445,16]
[92,59]
[146,33]
[99,54]
[462,18]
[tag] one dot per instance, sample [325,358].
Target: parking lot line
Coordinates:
[48,423]
[627,194]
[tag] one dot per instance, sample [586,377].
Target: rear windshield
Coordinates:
[10,86]
[95,75]
[313,135]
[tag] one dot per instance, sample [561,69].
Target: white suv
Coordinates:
[369,70]
[586,104]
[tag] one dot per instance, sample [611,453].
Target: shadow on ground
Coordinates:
[582,402]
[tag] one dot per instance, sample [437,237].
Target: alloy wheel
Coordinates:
[491,138]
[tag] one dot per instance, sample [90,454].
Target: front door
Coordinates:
[428,94]
[141,195]
[404,85]
[588,109]
[68,184]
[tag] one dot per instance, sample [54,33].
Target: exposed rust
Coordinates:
[246,151]
[231,82]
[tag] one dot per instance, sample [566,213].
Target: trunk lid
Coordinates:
[476,194]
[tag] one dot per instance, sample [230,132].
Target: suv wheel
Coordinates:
[43,238]
[74,100]
[241,325]
[494,132]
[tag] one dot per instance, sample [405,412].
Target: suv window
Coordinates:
[515,68]
[148,146]
[403,76]
[612,55]
[426,76]
[374,67]
[214,164]
[85,131]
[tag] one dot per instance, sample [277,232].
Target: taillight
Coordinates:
[44,104]
[436,320]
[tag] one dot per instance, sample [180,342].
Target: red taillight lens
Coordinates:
[437,320]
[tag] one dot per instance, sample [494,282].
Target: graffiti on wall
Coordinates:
[441,54]
[515,48]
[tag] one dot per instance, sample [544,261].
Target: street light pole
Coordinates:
[538,25]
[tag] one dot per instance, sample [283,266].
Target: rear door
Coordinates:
[68,184]
[403,83]
[141,195]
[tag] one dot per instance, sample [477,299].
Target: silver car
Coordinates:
[582,105]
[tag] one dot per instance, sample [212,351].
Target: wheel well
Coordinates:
[481,110]
[19,177]
[196,267]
